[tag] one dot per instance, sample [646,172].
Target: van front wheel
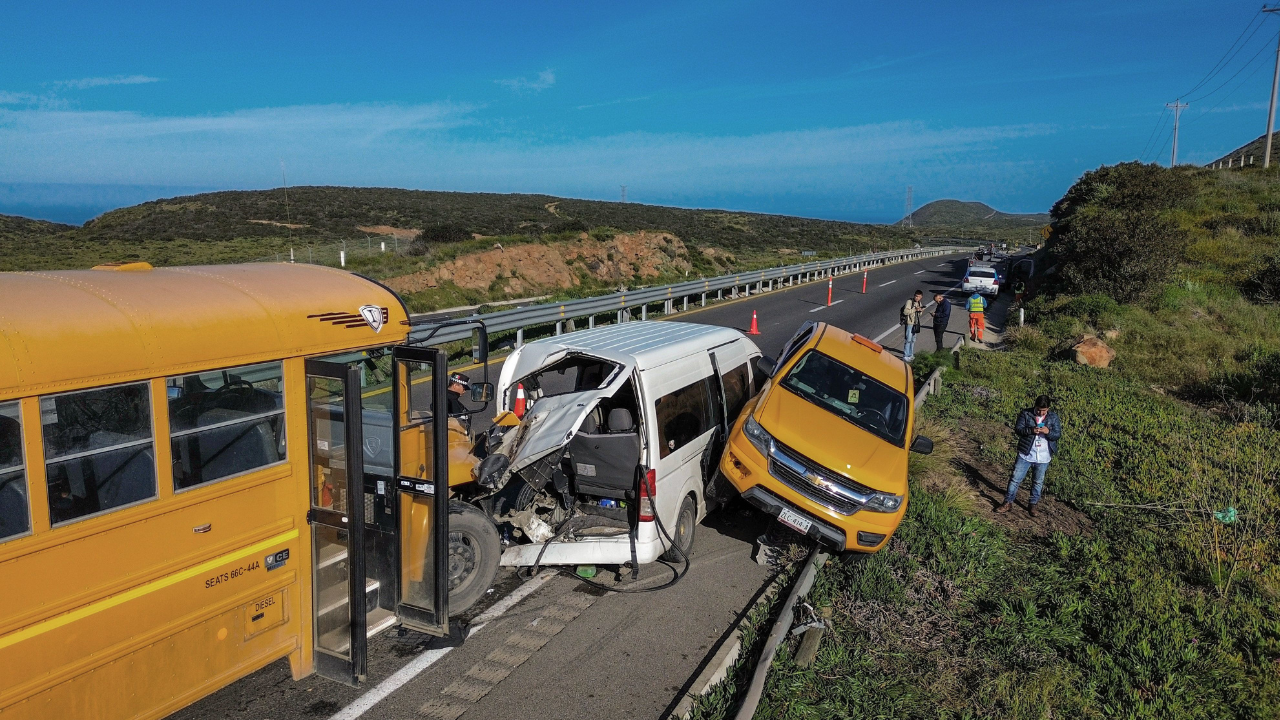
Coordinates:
[682,533]
[474,551]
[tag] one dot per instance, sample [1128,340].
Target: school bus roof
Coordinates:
[82,328]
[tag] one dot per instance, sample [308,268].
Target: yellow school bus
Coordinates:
[185,496]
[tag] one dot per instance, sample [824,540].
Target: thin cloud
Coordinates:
[16,98]
[93,82]
[544,80]
[426,146]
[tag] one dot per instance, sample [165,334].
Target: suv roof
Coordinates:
[882,366]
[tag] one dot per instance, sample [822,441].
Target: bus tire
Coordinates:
[474,551]
[682,533]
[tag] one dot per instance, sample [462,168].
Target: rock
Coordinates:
[1093,352]
[1111,334]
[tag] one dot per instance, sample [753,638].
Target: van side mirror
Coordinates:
[922,445]
[481,392]
[764,365]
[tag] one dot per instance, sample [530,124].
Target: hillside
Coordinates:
[330,214]
[417,241]
[1251,152]
[14,227]
[973,215]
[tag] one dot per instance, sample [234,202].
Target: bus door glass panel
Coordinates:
[421,464]
[337,501]
[15,518]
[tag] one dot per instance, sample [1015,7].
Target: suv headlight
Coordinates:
[757,435]
[884,502]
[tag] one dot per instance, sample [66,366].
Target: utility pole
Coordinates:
[906,219]
[1271,112]
[624,193]
[1178,106]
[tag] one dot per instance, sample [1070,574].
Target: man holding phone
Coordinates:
[1038,430]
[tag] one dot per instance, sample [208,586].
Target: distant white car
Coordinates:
[981,279]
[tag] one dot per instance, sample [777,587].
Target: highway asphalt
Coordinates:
[567,650]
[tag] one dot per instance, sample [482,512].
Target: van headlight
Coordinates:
[757,435]
[884,502]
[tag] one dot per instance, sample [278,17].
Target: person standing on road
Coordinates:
[941,318]
[911,313]
[1019,289]
[1038,430]
[977,306]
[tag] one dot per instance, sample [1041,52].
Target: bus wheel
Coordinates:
[474,550]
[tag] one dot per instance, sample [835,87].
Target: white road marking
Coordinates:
[428,658]
[922,271]
[888,283]
[837,302]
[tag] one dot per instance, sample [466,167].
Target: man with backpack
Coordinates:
[910,319]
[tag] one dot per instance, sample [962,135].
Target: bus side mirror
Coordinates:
[764,365]
[481,392]
[922,445]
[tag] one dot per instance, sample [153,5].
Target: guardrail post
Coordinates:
[558,328]
[619,317]
[519,337]
[644,312]
[685,305]
[591,321]
[759,286]
[704,299]
[720,294]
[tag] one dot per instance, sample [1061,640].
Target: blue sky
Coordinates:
[820,109]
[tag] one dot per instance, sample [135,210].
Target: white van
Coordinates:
[621,422]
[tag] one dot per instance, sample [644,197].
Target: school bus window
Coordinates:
[15,518]
[98,450]
[225,422]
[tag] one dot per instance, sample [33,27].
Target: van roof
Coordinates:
[84,328]
[647,343]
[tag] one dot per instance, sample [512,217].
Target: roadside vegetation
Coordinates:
[1148,587]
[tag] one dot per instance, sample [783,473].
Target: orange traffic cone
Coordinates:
[755,329]
[520,401]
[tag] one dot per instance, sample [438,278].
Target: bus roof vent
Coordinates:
[125,266]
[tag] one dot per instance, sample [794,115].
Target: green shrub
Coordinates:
[1127,187]
[1122,254]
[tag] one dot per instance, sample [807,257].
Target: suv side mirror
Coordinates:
[481,392]
[764,365]
[922,445]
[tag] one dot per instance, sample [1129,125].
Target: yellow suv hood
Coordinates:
[832,442]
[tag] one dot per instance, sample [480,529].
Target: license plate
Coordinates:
[795,521]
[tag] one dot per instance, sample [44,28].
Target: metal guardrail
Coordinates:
[623,303]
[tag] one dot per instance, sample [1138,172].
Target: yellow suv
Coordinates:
[823,446]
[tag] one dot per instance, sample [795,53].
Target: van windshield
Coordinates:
[851,395]
[572,374]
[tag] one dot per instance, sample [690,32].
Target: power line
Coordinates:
[1224,83]
[1224,60]
[1230,92]
[1164,116]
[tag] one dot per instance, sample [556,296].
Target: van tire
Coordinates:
[682,533]
[474,552]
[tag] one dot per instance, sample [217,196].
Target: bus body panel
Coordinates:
[143,609]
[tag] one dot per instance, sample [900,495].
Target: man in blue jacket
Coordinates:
[1038,430]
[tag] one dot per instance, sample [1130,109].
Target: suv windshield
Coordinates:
[838,388]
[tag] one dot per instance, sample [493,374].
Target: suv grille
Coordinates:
[785,474]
